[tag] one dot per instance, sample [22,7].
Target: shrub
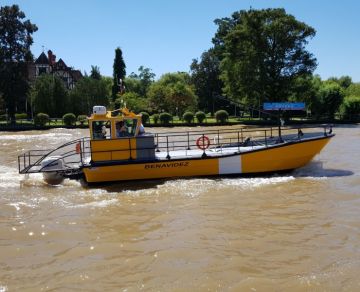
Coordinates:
[165,118]
[21,116]
[188,117]
[221,116]
[350,108]
[41,119]
[200,116]
[2,117]
[156,118]
[82,119]
[69,119]
[145,117]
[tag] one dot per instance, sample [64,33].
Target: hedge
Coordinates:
[41,119]
[188,117]
[69,119]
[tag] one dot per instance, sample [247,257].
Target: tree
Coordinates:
[133,85]
[145,78]
[350,109]
[87,93]
[15,41]
[173,92]
[133,101]
[329,98]
[2,104]
[343,81]
[49,95]
[205,75]
[95,72]
[263,54]
[119,73]
[353,90]
[108,81]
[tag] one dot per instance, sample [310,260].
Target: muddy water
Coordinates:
[294,232]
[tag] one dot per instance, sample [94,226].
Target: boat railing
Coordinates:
[73,154]
[243,137]
[175,144]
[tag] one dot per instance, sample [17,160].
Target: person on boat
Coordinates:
[121,130]
[141,129]
[103,131]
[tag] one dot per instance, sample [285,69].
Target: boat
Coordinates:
[119,150]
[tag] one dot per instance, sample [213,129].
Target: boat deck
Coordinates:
[197,153]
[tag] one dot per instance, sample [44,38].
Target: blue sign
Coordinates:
[285,106]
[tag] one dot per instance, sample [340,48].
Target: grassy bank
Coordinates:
[28,125]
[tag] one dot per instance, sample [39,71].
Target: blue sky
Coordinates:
[165,35]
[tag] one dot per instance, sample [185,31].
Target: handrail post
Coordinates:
[130,148]
[265,139]
[218,136]
[280,125]
[203,143]
[81,149]
[167,148]
[242,136]
[188,140]
[157,142]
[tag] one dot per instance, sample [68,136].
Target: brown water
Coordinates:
[295,232]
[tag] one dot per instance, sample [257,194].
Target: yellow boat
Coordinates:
[119,150]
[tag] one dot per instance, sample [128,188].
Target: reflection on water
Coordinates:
[298,231]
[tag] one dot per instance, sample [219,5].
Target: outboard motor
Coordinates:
[50,167]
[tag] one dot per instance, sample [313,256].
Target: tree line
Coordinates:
[256,56]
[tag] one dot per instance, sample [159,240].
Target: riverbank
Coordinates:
[261,123]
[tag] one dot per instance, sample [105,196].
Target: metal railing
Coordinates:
[73,157]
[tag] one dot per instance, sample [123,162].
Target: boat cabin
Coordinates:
[118,135]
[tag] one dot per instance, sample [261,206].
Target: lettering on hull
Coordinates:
[166,165]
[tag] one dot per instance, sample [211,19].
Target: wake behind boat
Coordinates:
[119,150]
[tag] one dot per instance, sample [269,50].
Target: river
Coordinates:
[293,232]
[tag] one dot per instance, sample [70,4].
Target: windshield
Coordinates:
[101,130]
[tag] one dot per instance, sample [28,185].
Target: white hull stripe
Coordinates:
[228,165]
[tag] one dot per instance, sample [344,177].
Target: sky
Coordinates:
[166,35]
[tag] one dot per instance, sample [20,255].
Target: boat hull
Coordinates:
[276,158]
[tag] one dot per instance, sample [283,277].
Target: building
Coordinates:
[48,65]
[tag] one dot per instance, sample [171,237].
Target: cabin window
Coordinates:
[121,129]
[131,126]
[101,130]
[126,128]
